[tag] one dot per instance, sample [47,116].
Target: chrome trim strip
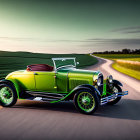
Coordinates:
[44,93]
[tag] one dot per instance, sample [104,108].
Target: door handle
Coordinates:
[35,73]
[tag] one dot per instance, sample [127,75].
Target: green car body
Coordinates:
[64,82]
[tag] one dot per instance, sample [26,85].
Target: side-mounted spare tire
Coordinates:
[8,95]
[86,101]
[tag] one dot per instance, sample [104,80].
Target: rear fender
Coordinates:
[12,82]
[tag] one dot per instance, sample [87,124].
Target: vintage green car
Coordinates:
[63,82]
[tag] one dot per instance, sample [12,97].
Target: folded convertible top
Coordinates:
[39,67]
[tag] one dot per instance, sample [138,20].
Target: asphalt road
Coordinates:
[40,120]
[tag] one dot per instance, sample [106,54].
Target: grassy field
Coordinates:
[126,63]
[11,61]
[132,57]
[131,72]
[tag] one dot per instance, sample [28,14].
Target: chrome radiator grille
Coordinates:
[100,88]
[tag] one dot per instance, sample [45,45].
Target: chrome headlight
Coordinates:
[99,80]
[110,79]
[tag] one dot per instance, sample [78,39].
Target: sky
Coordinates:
[69,26]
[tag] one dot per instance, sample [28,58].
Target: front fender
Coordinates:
[117,82]
[92,88]
[72,93]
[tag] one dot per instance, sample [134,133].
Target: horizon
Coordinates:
[132,51]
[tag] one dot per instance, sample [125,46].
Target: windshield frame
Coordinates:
[64,58]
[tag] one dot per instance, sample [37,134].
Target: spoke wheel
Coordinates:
[86,101]
[8,96]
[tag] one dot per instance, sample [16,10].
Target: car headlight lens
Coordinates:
[110,79]
[99,82]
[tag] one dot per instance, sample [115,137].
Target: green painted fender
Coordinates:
[14,83]
[85,86]
[92,88]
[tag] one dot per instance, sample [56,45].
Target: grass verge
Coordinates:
[131,57]
[133,73]
[128,64]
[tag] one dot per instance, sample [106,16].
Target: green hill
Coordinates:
[11,61]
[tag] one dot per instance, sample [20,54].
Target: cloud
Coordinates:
[90,40]
[101,44]
[17,38]
[66,46]
[36,39]
[117,41]
[128,30]
[46,40]
[134,31]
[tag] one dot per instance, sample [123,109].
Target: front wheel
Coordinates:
[8,95]
[86,101]
[116,89]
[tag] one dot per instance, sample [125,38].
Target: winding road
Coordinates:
[40,120]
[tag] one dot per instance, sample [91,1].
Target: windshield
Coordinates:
[63,62]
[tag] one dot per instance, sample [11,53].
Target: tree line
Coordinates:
[123,51]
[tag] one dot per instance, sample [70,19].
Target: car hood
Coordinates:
[80,73]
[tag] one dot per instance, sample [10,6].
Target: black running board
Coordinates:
[46,96]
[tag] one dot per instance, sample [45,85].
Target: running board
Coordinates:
[113,96]
[43,99]
[46,95]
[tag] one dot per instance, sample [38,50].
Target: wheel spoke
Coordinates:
[6,95]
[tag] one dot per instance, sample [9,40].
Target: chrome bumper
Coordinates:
[113,96]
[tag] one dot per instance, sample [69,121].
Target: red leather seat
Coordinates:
[39,67]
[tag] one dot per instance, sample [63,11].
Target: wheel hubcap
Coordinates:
[86,100]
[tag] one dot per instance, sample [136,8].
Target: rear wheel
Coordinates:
[8,95]
[86,101]
[116,89]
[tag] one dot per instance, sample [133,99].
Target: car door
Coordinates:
[45,81]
